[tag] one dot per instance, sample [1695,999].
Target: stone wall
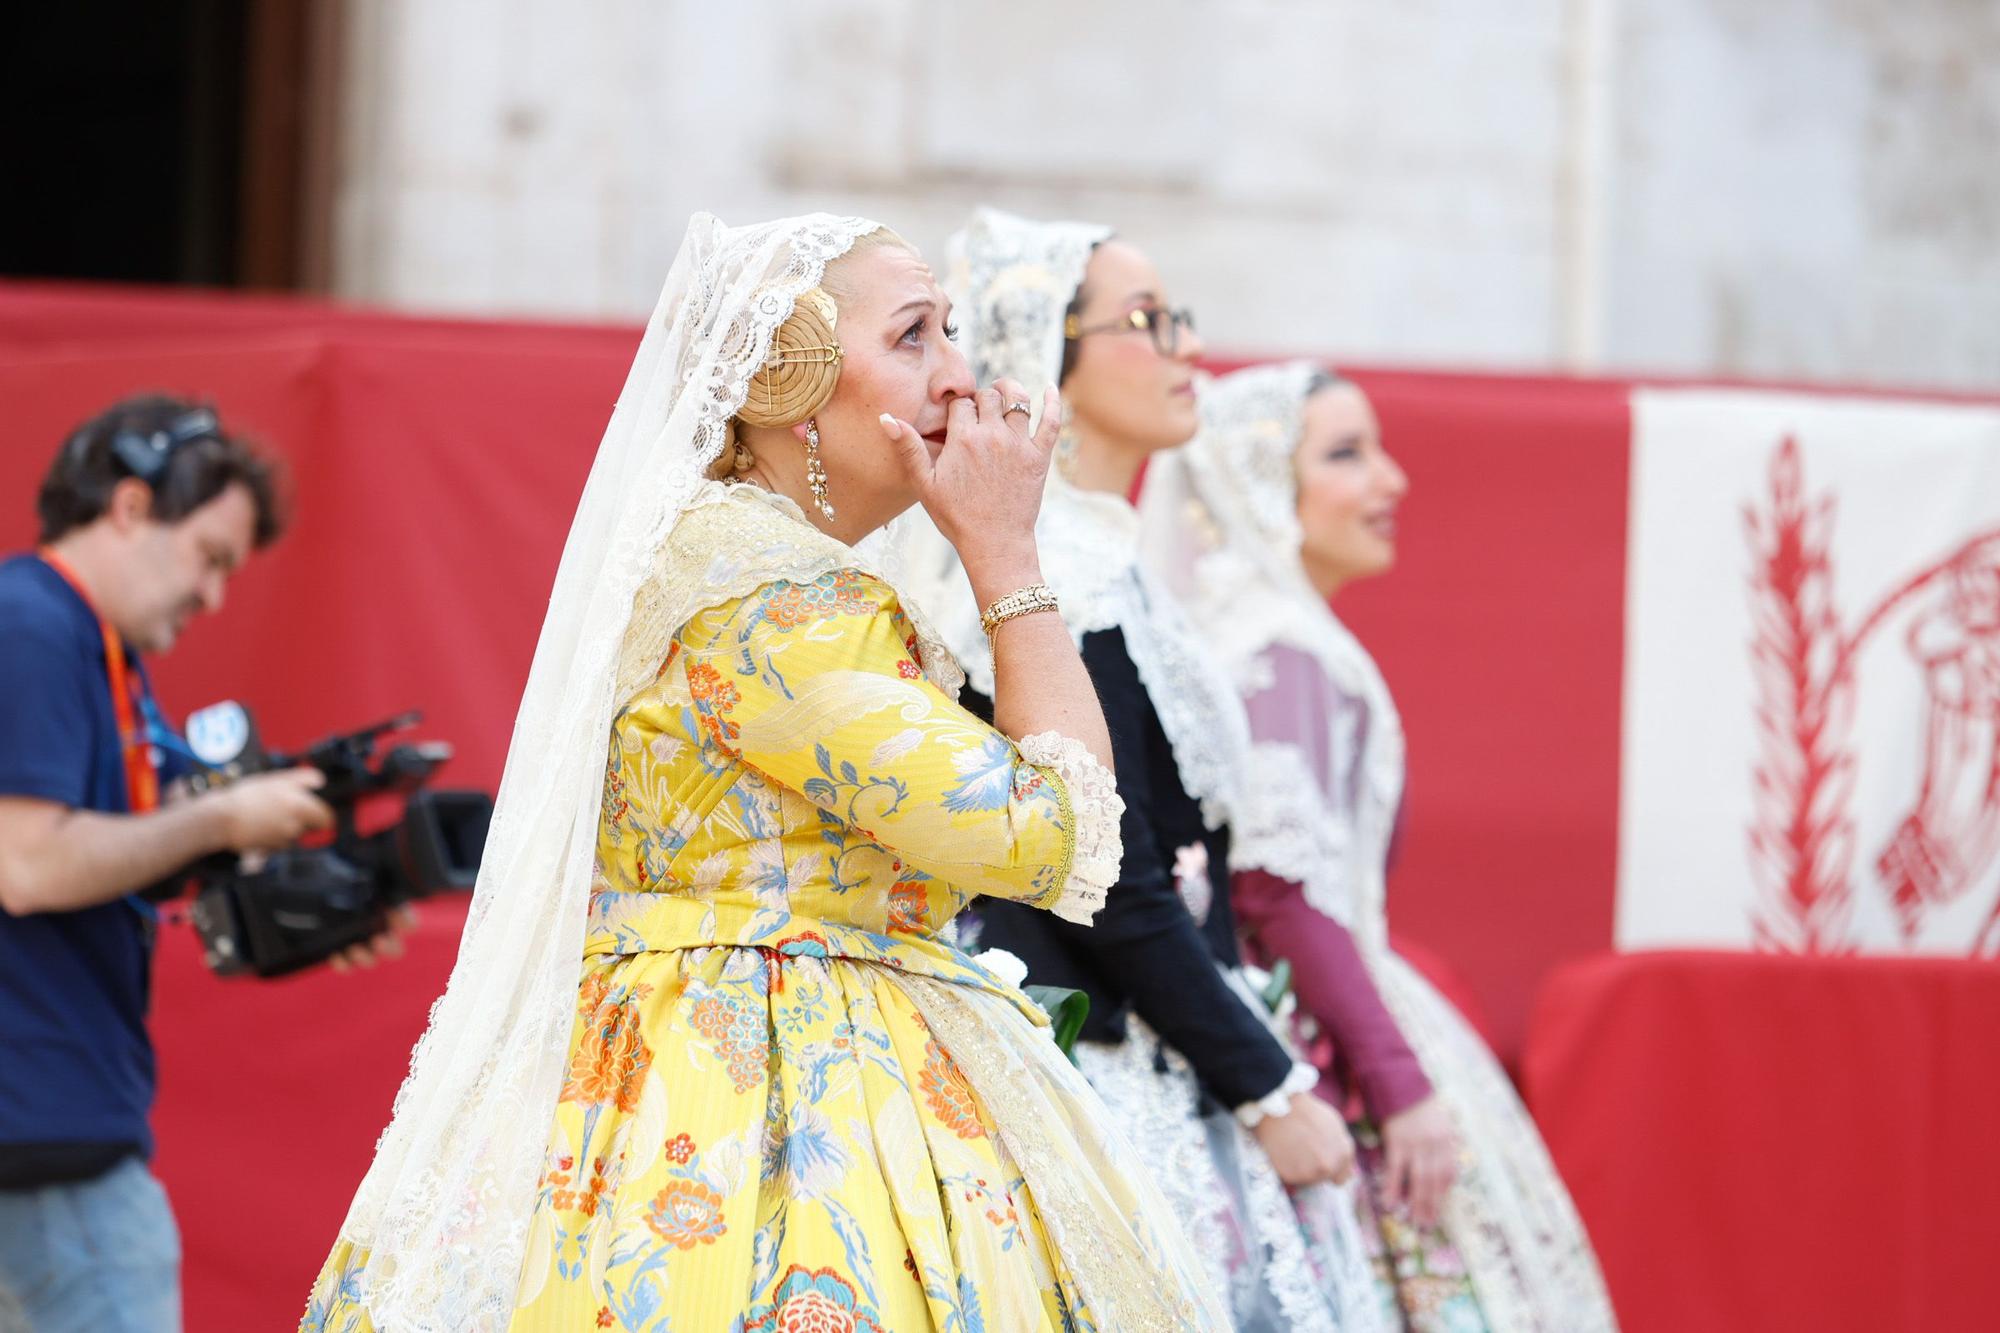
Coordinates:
[1790,188]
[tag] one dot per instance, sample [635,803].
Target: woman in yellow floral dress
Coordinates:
[709,1060]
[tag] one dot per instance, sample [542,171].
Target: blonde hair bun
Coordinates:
[798,376]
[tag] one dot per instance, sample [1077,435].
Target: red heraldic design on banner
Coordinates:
[1802,840]
[1861,698]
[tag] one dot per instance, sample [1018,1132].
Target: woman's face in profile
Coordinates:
[1349,488]
[897,358]
[1122,386]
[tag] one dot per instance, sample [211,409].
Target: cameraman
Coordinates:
[147,511]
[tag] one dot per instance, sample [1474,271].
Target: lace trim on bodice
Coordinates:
[733,539]
[1336,850]
[1288,831]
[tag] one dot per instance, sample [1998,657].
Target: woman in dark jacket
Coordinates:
[1178,1042]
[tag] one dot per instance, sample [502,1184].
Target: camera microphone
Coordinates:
[302,904]
[223,739]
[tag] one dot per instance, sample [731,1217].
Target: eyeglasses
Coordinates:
[1164,325]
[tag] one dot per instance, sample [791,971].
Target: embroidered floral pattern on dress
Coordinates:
[909,905]
[731,1019]
[611,1060]
[812,1301]
[787,605]
[757,1098]
[714,698]
[948,1095]
[686,1213]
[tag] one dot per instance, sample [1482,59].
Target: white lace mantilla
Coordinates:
[1219,521]
[1097,1198]
[733,538]
[1012,279]
[1294,824]
[1285,831]
[445,1205]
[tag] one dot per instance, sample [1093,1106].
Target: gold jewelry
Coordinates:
[741,459]
[1026,601]
[1066,444]
[1022,407]
[798,375]
[816,470]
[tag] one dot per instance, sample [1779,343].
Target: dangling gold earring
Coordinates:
[815,470]
[740,457]
[1066,446]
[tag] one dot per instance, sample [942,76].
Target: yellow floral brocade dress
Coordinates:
[786,1090]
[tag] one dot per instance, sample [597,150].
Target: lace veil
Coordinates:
[1011,281]
[1219,522]
[444,1209]
[1219,525]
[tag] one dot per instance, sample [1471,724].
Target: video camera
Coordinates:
[276,914]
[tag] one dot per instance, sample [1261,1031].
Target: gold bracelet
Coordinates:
[1020,602]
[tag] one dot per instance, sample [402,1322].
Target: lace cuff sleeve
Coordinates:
[1303,1078]
[1092,809]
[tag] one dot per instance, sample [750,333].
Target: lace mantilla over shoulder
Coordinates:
[445,1205]
[732,540]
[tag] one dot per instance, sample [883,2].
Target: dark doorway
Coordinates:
[165,141]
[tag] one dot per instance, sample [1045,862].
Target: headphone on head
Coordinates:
[147,454]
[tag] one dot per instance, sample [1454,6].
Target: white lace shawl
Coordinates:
[1219,527]
[1011,280]
[444,1208]
[1220,521]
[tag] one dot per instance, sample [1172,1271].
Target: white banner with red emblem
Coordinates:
[1811,757]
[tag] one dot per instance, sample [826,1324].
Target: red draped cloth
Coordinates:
[1765,1143]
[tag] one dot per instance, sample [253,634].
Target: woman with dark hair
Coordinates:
[1182,1049]
[1284,498]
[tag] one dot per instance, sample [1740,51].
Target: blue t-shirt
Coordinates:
[78,1067]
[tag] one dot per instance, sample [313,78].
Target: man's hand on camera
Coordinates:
[389,944]
[267,811]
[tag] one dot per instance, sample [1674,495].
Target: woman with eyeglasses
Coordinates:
[1178,1041]
[1285,497]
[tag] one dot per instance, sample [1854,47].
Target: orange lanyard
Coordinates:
[142,780]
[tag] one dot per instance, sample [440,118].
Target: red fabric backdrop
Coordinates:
[1778,1143]
[1501,632]
[437,463]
